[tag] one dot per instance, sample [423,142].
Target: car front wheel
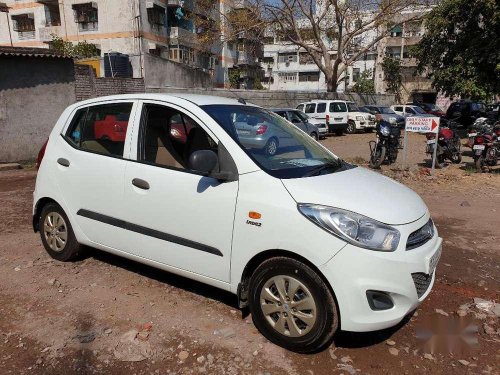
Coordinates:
[292,306]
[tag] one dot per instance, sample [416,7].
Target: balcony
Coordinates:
[45,33]
[178,35]
[399,41]
[246,58]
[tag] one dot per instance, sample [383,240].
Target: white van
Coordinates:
[310,243]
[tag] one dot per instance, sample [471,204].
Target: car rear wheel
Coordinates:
[292,306]
[57,234]
[271,147]
[314,135]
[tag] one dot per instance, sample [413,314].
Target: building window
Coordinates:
[24,25]
[156,16]
[288,77]
[356,73]
[308,76]
[86,16]
[287,58]
[52,15]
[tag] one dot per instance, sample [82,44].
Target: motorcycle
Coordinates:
[481,125]
[448,146]
[486,148]
[387,145]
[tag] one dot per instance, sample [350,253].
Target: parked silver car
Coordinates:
[303,122]
[387,114]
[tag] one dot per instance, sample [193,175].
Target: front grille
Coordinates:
[422,282]
[420,236]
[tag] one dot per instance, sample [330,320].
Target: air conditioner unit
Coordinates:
[150,4]
[151,45]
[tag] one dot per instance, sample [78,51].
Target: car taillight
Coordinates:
[261,129]
[479,140]
[41,154]
[327,118]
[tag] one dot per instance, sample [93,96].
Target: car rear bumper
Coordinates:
[404,276]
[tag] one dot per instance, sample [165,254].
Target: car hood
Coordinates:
[362,191]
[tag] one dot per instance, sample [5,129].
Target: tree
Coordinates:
[336,33]
[364,84]
[79,50]
[460,50]
[392,76]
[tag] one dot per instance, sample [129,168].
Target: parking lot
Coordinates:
[78,317]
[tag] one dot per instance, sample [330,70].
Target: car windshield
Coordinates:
[419,110]
[352,107]
[302,115]
[386,111]
[278,147]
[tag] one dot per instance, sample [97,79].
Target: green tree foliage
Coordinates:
[79,50]
[460,50]
[364,84]
[392,76]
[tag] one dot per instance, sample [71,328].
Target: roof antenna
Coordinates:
[242,101]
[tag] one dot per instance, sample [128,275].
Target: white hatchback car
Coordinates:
[309,242]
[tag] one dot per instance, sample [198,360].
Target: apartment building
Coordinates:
[162,28]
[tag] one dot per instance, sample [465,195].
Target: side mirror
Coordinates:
[204,161]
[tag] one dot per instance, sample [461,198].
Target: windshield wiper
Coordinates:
[340,166]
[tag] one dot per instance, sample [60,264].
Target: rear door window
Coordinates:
[321,108]
[101,128]
[398,109]
[310,108]
[338,107]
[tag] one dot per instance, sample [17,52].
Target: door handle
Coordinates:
[141,184]
[63,162]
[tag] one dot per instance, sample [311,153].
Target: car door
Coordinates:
[92,165]
[177,217]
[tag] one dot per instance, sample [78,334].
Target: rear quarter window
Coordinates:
[101,128]
[321,108]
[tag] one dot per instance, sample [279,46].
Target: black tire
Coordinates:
[479,163]
[271,147]
[71,248]
[351,127]
[456,157]
[377,157]
[326,323]
[439,161]
[314,135]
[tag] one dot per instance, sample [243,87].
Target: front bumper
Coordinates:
[404,275]
[365,124]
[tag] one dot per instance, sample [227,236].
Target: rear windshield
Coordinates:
[338,107]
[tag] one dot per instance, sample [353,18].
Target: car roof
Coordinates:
[197,99]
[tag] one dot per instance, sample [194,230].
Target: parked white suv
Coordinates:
[358,120]
[309,242]
[331,112]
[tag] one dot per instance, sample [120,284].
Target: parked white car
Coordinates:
[309,242]
[409,110]
[358,120]
[332,112]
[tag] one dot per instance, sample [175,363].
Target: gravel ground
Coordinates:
[104,314]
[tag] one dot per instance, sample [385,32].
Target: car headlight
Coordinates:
[385,130]
[360,118]
[353,228]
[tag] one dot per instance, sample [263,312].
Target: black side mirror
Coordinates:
[204,161]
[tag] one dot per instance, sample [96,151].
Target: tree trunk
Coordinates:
[331,84]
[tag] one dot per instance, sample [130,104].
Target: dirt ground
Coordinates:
[104,314]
